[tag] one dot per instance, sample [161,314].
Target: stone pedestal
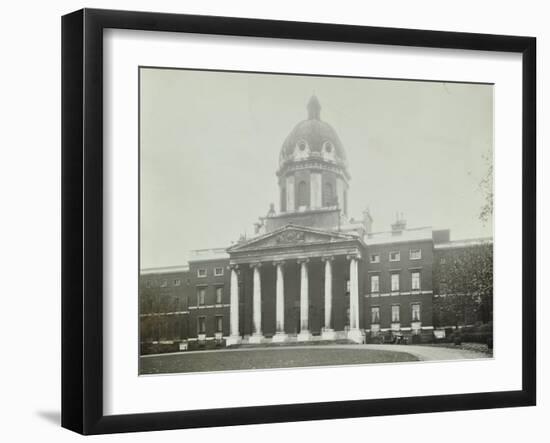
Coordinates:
[304,336]
[233,340]
[280,337]
[356,335]
[328,334]
[255,339]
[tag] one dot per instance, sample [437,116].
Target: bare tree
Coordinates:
[486,186]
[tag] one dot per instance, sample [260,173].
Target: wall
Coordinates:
[30,242]
[210,309]
[164,307]
[323,219]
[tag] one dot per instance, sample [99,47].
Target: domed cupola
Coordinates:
[315,139]
[313,170]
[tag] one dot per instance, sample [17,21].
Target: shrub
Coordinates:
[457,339]
[477,337]
[158,348]
[486,327]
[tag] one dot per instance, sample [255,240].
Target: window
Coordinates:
[395,256]
[302,194]
[219,295]
[163,283]
[219,323]
[347,287]
[182,304]
[395,314]
[375,258]
[374,283]
[375,314]
[395,282]
[218,271]
[415,254]
[201,273]
[201,325]
[177,282]
[415,283]
[201,296]
[415,312]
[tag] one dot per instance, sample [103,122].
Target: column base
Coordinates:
[233,340]
[328,334]
[304,336]
[255,339]
[356,335]
[280,337]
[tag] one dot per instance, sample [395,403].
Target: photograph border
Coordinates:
[82,220]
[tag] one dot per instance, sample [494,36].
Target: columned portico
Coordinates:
[280,335]
[328,331]
[293,283]
[304,334]
[257,335]
[235,336]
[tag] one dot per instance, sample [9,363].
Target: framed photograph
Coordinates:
[269,221]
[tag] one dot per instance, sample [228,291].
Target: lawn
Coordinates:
[240,359]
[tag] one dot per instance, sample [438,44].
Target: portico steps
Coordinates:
[292,340]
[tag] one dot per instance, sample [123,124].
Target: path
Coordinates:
[430,352]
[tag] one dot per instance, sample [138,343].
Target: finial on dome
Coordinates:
[314,108]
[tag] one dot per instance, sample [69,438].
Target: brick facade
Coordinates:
[382,282]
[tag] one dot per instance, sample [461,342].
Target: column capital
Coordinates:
[302,260]
[256,265]
[278,262]
[354,256]
[233,267]
[327,258]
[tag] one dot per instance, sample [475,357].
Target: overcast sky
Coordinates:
[210,145]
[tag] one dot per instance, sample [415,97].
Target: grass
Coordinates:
[266,359]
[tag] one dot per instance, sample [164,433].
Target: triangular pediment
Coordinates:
[291,235]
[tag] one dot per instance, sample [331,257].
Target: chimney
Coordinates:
[399,225]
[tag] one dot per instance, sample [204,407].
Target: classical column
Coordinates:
[280,334]
[354,332]
[256,336]
[328,331]
[234,337]
[304,334]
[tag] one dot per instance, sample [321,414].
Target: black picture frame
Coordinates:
[82,220]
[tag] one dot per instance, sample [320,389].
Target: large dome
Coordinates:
[313,139]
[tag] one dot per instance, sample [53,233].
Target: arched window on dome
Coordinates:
[302,194]
[283,199]
[328,195]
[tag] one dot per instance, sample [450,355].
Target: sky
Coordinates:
[210,143]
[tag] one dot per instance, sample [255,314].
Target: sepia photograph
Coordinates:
[296,220]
